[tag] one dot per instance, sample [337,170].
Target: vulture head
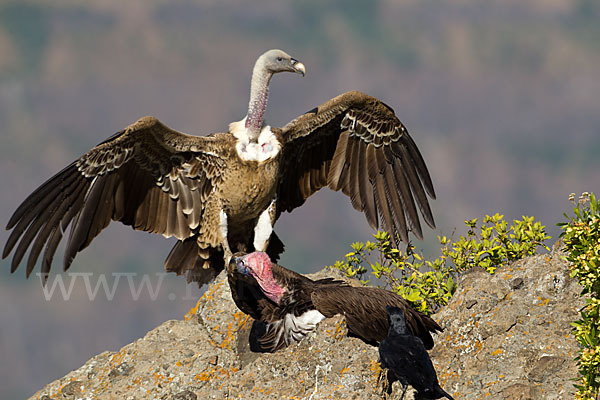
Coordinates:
[397,321]
[275,61]
[269,63]
[258,265]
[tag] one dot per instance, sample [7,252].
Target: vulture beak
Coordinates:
[298,67]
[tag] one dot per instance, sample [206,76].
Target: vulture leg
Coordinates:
[224,242]
[264,228]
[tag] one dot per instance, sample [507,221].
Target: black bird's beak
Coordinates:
[298,67]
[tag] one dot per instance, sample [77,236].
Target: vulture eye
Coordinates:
[241,265]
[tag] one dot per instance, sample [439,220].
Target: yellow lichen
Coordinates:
[206,297]
[542,301]
[214,372]
[446,375]
[377,371]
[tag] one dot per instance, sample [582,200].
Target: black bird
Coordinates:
[291,305]
[406,359]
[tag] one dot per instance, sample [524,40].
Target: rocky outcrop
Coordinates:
[507,336]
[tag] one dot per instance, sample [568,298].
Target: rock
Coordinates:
[72,390]
[515,341]
[507,336]
[122,369]
[185,395]
[545,367]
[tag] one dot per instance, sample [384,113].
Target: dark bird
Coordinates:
[405,357]
[292,305]
[223,192]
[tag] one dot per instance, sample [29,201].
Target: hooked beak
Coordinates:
[298,67]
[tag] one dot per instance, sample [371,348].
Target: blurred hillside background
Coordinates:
[502,97]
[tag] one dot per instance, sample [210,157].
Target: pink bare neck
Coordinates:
[259,264]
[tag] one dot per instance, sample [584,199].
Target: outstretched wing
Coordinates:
[355,143]
[147,176]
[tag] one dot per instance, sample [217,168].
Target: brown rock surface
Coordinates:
[506,337]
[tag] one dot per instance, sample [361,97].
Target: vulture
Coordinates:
[222,193]
[406,359]
[291,305]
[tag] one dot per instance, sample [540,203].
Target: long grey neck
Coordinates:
[259,94]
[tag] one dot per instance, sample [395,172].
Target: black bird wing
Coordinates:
[365,312]
[407,358]
[147,176]
[355,143]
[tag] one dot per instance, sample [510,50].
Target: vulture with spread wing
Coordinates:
[291,305]
[222,193]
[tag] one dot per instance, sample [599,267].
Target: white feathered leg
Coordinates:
[264,227]
[227,254]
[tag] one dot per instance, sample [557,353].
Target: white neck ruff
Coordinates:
[265,148]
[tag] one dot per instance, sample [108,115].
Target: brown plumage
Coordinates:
[222,193]
[291,304]
[367,154]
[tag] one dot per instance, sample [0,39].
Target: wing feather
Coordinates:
[347,178]
[51,226]
[420,166]
[405,196]
[51,247]
[35,204]
[396,205]
[371,167]
[417,188]
[366,192]
[147,176]
[365,152]
[384,209]
[355,196]
[338,162]
[43,194]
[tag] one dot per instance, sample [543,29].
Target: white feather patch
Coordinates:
[223,224]
[293,329]
[263,228]
[267,147]
[238,129]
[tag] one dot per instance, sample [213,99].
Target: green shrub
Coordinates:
[429,285]
[581,238]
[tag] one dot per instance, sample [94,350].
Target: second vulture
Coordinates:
[291,305]
[222,193]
